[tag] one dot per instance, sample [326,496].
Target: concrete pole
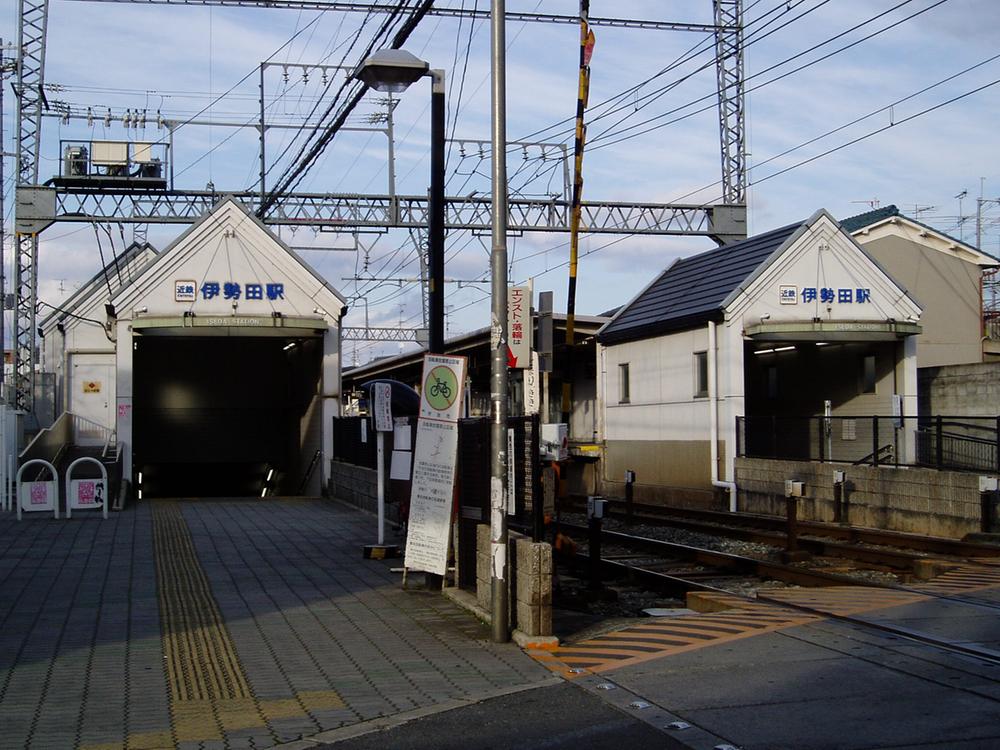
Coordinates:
[435,229]
[498,334]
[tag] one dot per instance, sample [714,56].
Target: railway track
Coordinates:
[890,548]
[680,568]
[677,569]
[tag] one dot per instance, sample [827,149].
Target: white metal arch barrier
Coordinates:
[86,494]
[38,496]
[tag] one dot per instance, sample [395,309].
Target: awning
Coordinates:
[230,325]
[830,330]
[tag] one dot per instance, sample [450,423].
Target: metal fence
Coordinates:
[354,441]
[941,442]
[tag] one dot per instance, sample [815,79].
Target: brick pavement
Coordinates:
[222,624]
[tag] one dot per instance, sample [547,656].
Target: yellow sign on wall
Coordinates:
[91,386]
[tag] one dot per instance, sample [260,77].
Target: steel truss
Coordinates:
[418,335]
[729,72]
[33,24]
[724,223]
[402,211]
[482,15]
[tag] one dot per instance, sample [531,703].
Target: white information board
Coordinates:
[383,406]
[434,460]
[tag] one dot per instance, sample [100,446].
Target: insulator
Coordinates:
[142,120]
[160,122]
[65,116]
[107,118]
[90,117]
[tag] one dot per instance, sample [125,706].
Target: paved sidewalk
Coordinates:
[223,624]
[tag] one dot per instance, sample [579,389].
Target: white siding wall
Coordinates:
[662,403]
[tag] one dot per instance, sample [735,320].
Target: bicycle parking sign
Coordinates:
[441,387]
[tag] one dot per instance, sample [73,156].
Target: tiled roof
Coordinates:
[692,290]
[854,223]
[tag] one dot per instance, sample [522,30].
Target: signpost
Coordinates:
[382,412]
[434,461]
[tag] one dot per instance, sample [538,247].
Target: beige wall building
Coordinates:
[943,274]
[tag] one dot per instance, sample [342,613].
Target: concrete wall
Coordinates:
[917,501]
[355,485]
[971,390]
[531,570]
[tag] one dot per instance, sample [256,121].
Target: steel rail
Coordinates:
[724,560]
[899,539]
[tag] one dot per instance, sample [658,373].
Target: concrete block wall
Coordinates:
[966,390]
[912,500]
[530,596]
[355,485]
[534,587]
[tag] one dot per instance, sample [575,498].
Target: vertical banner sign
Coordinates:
[519,326]
[512,459]
[434,460]
[532,390]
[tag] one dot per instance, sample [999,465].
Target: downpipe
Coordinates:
[713,399]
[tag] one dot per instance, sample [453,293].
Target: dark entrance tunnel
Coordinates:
[223,416]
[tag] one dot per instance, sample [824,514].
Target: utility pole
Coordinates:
[6,66]
[500,608]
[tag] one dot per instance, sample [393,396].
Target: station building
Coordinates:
[798,321]
[213,366]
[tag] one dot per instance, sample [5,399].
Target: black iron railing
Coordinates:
[942,442]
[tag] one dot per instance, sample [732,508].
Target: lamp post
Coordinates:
[393,70]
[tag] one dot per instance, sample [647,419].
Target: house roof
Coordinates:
[693,290]
[854,224]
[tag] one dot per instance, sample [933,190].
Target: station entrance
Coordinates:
[236,414]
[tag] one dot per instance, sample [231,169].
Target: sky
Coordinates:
[849,105]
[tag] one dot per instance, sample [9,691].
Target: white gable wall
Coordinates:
[664,432]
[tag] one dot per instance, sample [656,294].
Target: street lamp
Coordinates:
[393,70]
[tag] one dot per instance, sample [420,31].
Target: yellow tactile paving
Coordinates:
[209,692]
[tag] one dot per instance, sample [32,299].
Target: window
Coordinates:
[700,374]
[868,373]
[623,384]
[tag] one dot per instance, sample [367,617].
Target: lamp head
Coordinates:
[390,70]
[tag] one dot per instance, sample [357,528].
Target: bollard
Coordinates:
[595,520]
[629,492]
[792,524]
[794,490]
[839,516]
[989,500]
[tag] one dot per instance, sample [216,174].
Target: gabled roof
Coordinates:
[693,290]
[854,224]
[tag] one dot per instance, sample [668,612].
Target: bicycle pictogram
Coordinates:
[441,387]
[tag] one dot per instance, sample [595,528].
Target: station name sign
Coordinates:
[186,290]
[789,294]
